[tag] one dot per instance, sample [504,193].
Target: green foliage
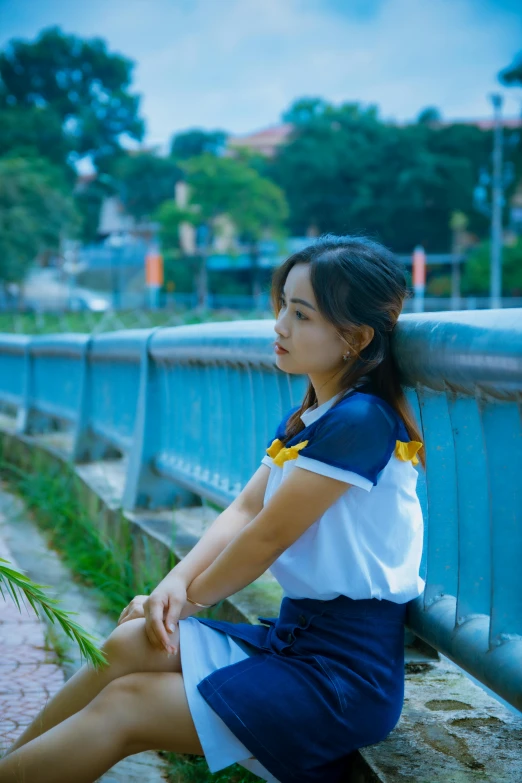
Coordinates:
[53,497]
[34,131]
[346,171]
[439,285]
[429,116]
[304,111]
[86,322]
[226,186]
[476,276]
[35,210]
[146,181]
[185,768]
[50,494]
[84,85]
[219,187]
[170,216]
[18,585]
[53,493]
[512,76]
[191,143]
[180,270]
[88,198]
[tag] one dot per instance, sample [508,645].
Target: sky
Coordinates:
[237,65]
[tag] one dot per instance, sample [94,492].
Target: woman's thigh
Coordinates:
[152,712]
[129,650]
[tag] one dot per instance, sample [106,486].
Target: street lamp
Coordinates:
[497,200]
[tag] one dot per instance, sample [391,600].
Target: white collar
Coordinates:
[312,414]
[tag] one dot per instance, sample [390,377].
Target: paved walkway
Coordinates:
[30,672]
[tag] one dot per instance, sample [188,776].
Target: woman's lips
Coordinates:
[280,350]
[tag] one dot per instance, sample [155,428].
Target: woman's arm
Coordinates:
[223,530]
[299,502]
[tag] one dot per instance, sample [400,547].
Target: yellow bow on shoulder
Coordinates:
[407,451]
[280,454]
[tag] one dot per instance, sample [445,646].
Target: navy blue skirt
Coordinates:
[325,678]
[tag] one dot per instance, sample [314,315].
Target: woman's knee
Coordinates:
[114,707]
[128,646]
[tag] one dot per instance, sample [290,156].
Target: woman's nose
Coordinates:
[280,329]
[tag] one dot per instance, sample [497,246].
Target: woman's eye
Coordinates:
[297,312]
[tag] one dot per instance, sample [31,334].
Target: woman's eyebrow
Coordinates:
[301,301]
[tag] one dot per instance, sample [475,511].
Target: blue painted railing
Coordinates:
[191,408]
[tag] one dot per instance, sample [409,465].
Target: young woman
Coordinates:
[333,512]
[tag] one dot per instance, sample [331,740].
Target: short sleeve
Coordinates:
[279,434]
[353,442]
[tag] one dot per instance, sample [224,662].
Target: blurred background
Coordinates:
[159,158]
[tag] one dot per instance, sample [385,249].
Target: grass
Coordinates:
[87,322]
[52,496]
[194,769]
[56,642]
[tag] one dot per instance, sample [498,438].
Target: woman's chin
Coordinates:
[284,363]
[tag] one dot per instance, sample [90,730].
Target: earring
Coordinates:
[346,355]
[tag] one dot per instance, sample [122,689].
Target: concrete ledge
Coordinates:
[450,729]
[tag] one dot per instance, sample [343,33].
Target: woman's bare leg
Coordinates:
[128,650]
[133,713]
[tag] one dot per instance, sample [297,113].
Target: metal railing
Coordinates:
[193,407]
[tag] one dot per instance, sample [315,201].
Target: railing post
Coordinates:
[22,415]
[87,447]
[145,488]
[28,420]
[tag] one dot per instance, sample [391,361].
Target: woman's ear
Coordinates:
[366,336]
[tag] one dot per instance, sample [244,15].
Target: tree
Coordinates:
[147,180]
[35,211]
[346,171]
[83,84]
[429,116]
[476,277]
[226,187]
[191,143]
[178,268]
[35,131]
[305,110]
[512,76]
[88,198]
[170,217]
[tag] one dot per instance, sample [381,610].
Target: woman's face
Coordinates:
[313,345]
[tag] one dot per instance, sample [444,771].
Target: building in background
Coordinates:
[265,142]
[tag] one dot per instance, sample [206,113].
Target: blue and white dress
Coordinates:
[302,691]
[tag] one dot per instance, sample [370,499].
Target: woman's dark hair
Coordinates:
[356,281]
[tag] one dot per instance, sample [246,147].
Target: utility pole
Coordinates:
[497,200]
[419,278]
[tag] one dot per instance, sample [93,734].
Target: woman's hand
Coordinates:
[162,610]
[134,609]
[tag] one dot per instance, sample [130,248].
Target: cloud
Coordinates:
[238,64]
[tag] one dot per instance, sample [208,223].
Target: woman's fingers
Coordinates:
[153,638]
[131,616]
[156,608]
[134,609]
